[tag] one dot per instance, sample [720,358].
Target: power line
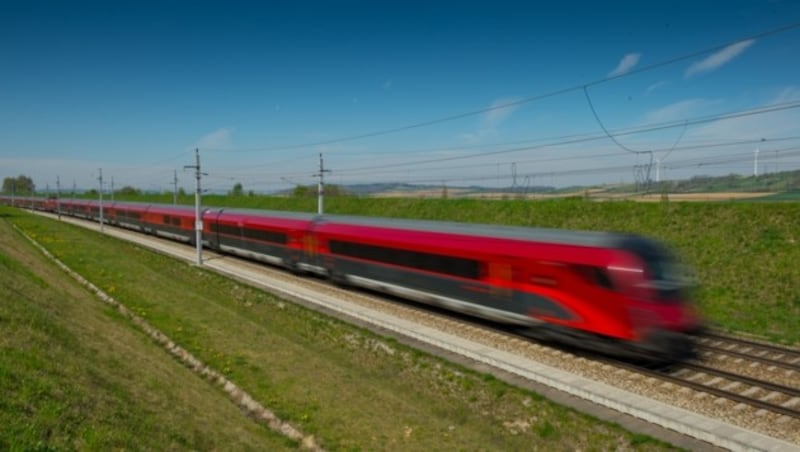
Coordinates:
[575,157]
[586,138]
[600,123]
[689,163]
[527,177]
[529,99]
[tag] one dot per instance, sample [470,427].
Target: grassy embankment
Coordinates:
[746,255]
[77,375]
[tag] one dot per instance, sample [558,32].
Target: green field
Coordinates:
[75,374]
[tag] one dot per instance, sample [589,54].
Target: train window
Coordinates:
[225,229]
[664,274]
[594,275]
[602,278]
[449,265]
[266,236]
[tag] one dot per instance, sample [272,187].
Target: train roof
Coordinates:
[528,234]
[546,235]
[261,213]
[584,238]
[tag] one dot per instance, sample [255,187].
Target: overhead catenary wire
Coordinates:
[528,99]
[418,165]
[689,163]
[603,127]
[717,161]
[569,140]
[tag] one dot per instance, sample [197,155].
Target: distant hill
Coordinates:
[779,182]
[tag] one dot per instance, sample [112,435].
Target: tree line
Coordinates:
[21,185]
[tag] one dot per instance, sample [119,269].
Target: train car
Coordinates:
[169,221]
[173,222]
[29,202]
[126,215]
[278,238]
[81,208]
[605,291]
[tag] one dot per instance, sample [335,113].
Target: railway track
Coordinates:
[716,345]
[762,375]
[725,385]
[748,373]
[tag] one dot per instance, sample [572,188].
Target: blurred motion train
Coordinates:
[620,294]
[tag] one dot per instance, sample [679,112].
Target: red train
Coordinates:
[618,293]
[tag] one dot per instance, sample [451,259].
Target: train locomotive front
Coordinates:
[622,294]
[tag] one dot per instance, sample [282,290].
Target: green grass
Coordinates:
[73,375]
[351,389]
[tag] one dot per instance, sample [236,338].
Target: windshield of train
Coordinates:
[668,277]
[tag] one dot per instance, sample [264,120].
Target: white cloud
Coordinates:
[220,139]
[769,125]
[718,59]
[655,86]
[625,64]
[772,124]
[498,112]
[676,111]
[788,94]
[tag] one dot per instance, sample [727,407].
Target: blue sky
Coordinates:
[262,88]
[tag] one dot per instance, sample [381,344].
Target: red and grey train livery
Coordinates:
[623,294]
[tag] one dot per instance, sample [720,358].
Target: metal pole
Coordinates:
[320,188]
[175,187]
[321,185]
[58,197]
[101,198]
[198,219]
[658,170]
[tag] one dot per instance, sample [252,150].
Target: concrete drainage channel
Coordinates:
[709,430]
